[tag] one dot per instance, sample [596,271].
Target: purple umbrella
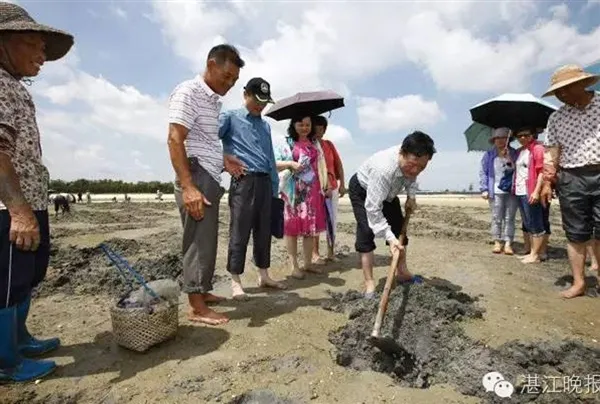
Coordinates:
[305,104]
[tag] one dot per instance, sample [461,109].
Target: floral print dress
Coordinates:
[304,213]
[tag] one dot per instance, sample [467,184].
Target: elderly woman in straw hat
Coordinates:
[24,232]
[572,165]
[495,164]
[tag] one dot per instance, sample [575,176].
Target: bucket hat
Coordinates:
[569,74]
[499,133]
[14,18]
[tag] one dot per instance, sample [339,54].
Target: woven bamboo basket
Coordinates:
[139,329]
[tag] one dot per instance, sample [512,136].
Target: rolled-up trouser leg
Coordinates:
[200,238]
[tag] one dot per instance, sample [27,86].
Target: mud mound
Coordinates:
[261,397]
[425,320]
[88,270]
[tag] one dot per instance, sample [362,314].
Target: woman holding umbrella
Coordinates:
[527,186]
[302,179]
[496,164]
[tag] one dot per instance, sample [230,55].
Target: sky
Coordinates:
[401,66]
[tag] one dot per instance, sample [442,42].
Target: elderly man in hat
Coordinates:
[197,158]
[572,164]
[25,46]
[247,136]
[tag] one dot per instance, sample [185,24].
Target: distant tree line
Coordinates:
[110,186]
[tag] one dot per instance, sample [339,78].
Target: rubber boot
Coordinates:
[13,367]
[28,345]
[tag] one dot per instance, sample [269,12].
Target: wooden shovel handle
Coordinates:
[389,281]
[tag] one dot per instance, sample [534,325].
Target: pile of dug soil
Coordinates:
[89,271]
[424,320]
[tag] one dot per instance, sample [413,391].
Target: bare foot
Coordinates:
[369,287]
[508,250]
[237,291]
[529,259]
[208,316]
[312,269]
[210,298]
[497,248]
[265,282]
[297,273]
[573,291]
[402,275]
[316,260]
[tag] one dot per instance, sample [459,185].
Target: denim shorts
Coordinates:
[536,217]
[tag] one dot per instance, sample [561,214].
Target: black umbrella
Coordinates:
[305,104]
[514,111]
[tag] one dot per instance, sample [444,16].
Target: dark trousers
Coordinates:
[579,196]
[250,200]
[200,237]
[22,271]
[392,211]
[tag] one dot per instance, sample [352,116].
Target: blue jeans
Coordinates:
[535,217]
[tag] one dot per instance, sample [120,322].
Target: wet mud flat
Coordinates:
[424,319]
[76,270]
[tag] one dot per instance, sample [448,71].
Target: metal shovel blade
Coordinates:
[386,345]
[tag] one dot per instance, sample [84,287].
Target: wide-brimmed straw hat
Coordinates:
[15,19]
[567,75]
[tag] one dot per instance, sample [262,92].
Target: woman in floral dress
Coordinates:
[302,178]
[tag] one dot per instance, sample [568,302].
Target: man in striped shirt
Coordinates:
[373,192]
[197,157]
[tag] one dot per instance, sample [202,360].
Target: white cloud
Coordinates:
[326,44]
[560,11]
[89,126]
[119,12]
[107,108]
[396,114]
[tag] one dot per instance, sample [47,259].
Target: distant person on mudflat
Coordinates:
[373,192]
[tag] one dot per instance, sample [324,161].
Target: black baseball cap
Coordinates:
[260,89]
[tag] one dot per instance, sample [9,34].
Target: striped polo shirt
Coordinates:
[195,106]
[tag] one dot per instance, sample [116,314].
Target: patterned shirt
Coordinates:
[20,140]
[577,133]
[383,180]
[196,107]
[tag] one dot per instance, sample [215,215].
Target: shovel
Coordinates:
[387,344]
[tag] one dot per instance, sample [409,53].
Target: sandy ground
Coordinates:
[280,340]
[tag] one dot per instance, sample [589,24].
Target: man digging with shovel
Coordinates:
[373,192]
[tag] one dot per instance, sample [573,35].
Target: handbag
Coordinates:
[506,182]
[277,206]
